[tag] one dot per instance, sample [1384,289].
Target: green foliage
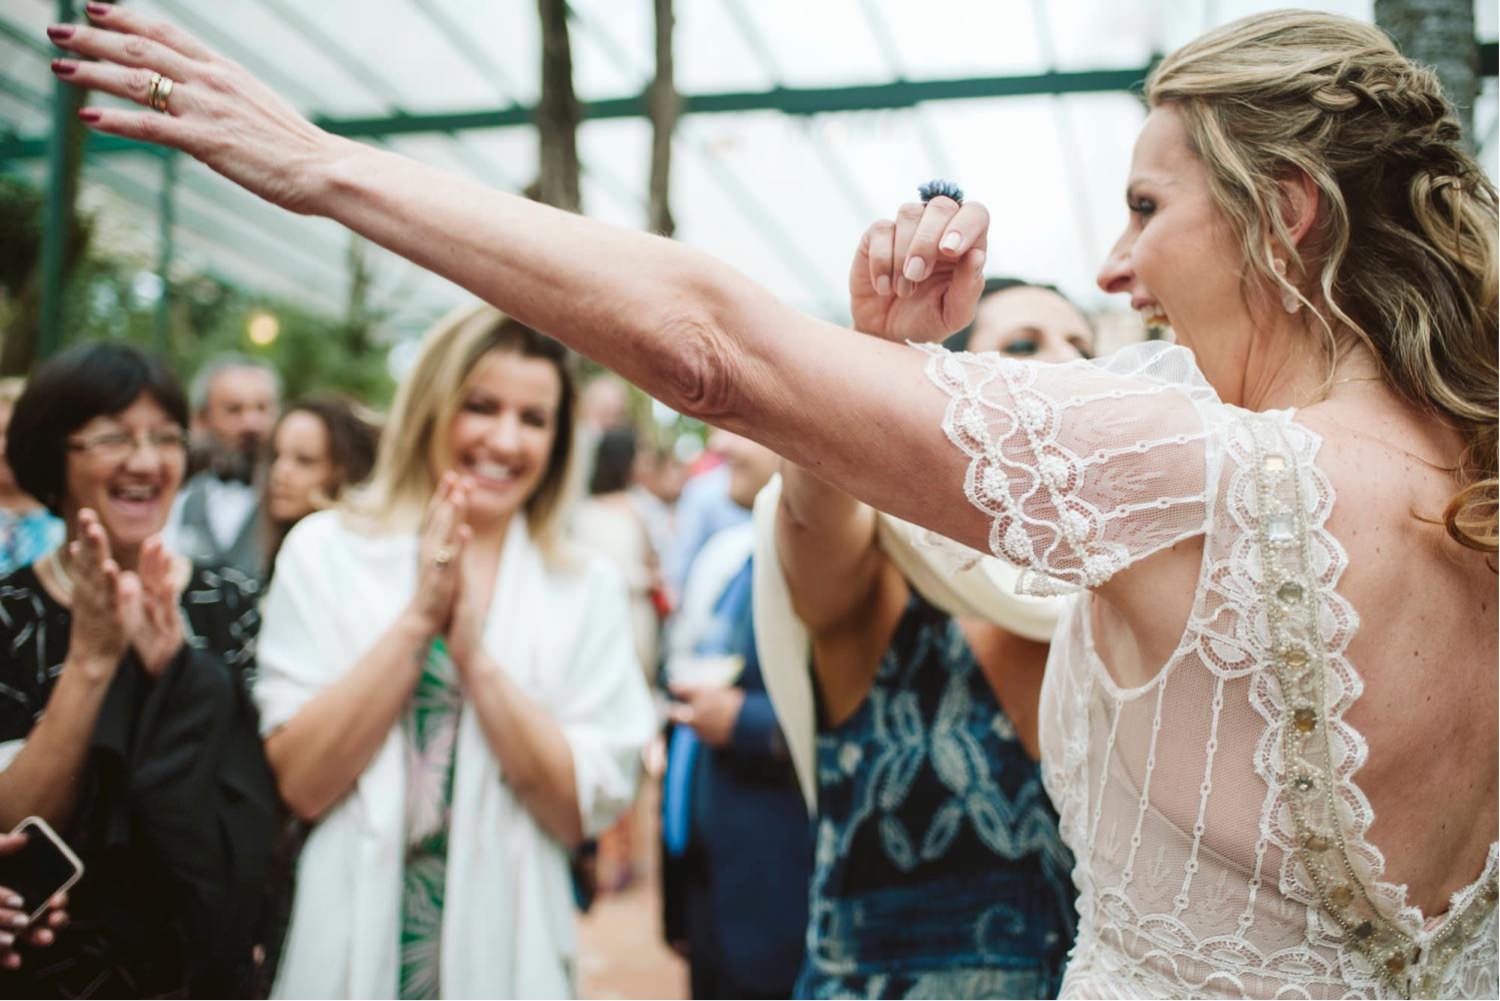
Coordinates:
[20,232]
[111,296]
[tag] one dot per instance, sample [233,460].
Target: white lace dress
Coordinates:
[1213,811]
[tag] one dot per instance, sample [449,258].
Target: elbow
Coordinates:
[304,803]
[554,810]
[702,371]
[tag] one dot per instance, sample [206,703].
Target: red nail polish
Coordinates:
[60,32]
[89,115]
[63,67]
[96,9]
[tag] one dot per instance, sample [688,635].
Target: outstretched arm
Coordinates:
[687,329]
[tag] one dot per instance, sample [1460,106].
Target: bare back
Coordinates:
[1274,705]
[1426,648]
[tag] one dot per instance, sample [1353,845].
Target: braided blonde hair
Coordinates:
[1408,232]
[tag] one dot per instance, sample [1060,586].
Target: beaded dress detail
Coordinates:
[1219,832]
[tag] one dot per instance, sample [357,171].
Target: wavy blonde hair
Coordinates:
[413,447]
[1405,241]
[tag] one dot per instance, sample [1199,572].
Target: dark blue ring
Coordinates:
[939,188]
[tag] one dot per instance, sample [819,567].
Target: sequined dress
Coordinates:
[939,870]
[1214,811]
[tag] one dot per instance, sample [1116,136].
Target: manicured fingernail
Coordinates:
[14,901]
[89,115]
[96,9]
[914,268]
[6,939]
[978,259]
[64,67]
[950,242]
[883,285]
[60,32]
[19,921]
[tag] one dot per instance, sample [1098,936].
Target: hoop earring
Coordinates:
[1289,298]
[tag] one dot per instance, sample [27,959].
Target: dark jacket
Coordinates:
[744,878]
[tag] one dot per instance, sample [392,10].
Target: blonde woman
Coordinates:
[448,691]
[1269,723]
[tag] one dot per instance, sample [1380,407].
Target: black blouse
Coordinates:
[177,811]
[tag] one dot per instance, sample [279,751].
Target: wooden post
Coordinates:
[557,112]
[665,105]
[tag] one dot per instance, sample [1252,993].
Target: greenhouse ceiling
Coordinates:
[803,121]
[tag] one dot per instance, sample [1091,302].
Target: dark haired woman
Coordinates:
[319,447]
[907,692]
[125,721]
[449,691]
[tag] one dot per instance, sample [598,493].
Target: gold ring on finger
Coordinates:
[443,556]
[159,92]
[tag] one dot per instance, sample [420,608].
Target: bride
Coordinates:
[1270,723]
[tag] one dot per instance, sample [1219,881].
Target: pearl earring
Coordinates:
[1289,299]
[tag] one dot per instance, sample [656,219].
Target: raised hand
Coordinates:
[918,278]
[440,555]
[106,599]
[158,631]
[215,111]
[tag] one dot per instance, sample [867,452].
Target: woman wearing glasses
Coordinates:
[125,720]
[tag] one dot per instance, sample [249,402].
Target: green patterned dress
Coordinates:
[431,730]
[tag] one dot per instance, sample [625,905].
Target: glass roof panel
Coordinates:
[782,198]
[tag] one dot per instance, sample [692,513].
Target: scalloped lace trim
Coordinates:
[1328,862]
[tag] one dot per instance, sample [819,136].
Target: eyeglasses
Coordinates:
[116,446]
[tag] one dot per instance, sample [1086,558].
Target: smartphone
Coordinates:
[42,867]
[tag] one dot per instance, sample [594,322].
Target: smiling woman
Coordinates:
[320,447]
[434,647]
[124,665]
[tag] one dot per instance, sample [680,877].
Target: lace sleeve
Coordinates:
[1083,468]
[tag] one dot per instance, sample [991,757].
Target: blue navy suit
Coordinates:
[741,879]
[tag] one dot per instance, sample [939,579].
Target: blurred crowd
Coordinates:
[268,634]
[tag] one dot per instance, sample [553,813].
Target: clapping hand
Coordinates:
[919,277]
[158,630]
[14,926]
[440,555]
[470,609]
[106,599]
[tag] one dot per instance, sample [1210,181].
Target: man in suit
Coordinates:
[216,517]
[738,841]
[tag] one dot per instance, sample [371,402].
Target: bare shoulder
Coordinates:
[1390,491]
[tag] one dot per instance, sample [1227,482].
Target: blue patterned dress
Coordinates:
[939,869]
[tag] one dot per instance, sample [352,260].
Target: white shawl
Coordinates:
[978,587]
[564,637]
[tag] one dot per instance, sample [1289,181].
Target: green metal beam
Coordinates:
[166,216]
[59,211]
[788,100]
